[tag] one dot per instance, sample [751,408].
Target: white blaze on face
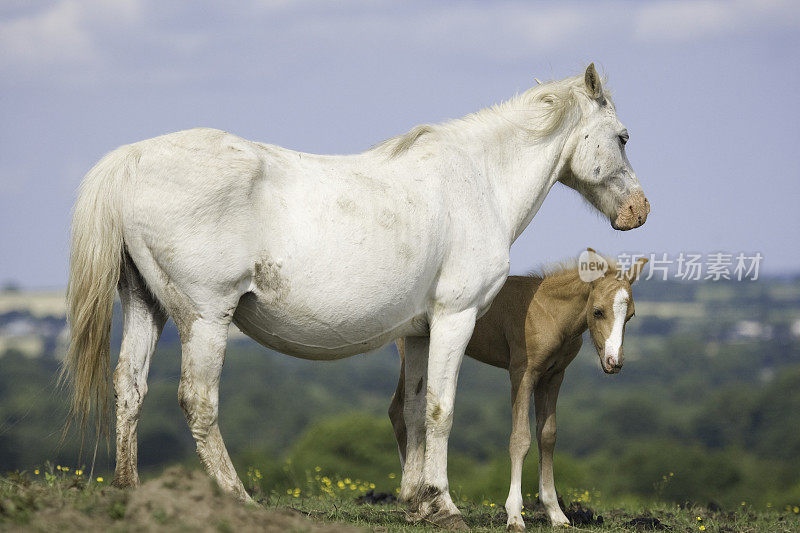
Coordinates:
[614,340]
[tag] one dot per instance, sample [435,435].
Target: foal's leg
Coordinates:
[415,366]
[545,397]
[143,321]
[520,442]
[450,334]
[396,407]
[203,345]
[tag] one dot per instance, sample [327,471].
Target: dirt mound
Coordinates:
[179,500]
[184,499]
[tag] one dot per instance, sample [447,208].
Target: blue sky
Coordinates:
[708,90]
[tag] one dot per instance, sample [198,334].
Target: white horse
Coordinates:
[323,257]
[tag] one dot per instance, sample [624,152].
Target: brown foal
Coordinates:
[534,329]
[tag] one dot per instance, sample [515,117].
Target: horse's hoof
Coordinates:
[448,521]
[515,525]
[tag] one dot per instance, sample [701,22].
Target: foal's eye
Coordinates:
[598,313]
[623,138]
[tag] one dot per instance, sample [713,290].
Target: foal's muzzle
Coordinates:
[611,364]
[633,212]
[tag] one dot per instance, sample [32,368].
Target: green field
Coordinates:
[50,499]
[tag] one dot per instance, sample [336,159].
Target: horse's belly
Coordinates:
[325,332]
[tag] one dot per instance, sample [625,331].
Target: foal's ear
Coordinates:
[636,269]
[592,80]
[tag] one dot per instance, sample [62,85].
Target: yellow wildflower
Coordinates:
[79,472]
[99,479]
[796,509]
[317,468]
[58,467]
[36,471]
[391,476]
[340,484]
[702,528]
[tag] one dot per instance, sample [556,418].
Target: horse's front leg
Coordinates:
[450,334]
[545,398]
[520,441]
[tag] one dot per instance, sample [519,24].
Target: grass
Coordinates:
[56,499]
[480,518]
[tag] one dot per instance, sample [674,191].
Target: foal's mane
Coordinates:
[540,111]
[562,278]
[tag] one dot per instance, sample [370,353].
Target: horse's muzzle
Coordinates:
[633,212]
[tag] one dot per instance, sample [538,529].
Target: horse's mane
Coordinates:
[540,111]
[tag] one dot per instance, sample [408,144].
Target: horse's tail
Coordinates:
[94,270]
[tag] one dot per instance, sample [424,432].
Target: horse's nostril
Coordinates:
[631,208]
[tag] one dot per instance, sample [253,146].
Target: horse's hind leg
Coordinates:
[142,324]
[203,354]
[415,362]
[396,407]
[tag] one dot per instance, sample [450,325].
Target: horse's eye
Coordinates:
[598,313]
[623,138]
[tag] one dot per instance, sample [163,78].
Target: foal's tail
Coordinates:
[94,270]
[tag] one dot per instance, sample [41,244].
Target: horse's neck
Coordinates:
[520,172]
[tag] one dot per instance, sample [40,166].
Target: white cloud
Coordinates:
[50,36]
[60,33]
[689,20]
[143,41]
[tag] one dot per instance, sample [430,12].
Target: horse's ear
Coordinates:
[592,80]
[636,269]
